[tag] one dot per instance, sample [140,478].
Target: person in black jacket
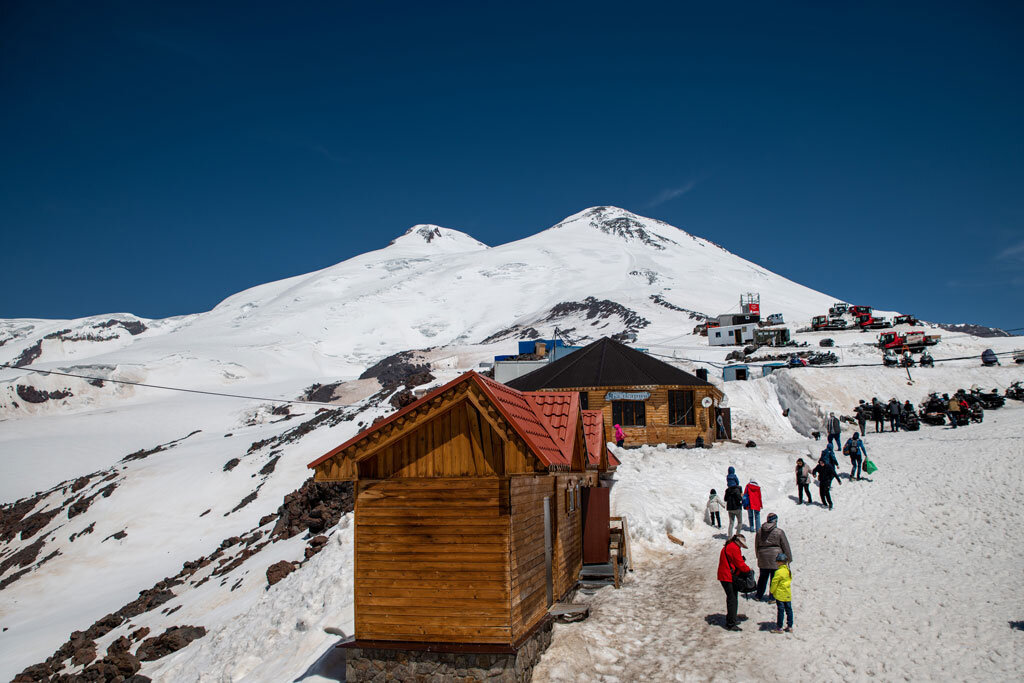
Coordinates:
[734,506]
[878,415]
[825,474]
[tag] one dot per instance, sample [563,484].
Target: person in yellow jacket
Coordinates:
[783,594]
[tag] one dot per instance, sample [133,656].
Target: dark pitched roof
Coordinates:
[605,363]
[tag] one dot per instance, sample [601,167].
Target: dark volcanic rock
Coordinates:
[29,355]
[231,464]
[320,393]
[171,640]
[314,507]
[402,398]
[278,571]
[33,523]
[268,469]
[399,369]
[30,394]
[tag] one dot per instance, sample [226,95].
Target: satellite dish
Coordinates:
[706,402]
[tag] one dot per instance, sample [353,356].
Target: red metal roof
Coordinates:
[531,424]
[559,412]
[548,429]
[593,430]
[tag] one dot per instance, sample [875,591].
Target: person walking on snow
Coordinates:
[862,416]
[803,479]
[833,429]
[830,457]
[731,560]
[782,591]
[825,474]
[855,449]
[713,510]
[769,541]
[753,494]
[953,409]
[878,415]
[894,415]
[734,501]
[620,436]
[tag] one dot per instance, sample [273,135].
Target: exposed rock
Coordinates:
[402,398]
[268,469]
[29,355]
[139,634]
[79,484]
[84,654]
[87,530]
[314,507]
[117,536]
[34,522]
[231,464]
[23,557]
[320,393]
[751,444]
[30,394]
[245,501]
[149,599]
[171,640]
[397,370]
[278,571]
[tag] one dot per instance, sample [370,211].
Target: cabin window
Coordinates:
[584,400]
[629,413]
[680,409]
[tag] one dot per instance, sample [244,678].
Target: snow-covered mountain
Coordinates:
[189,498]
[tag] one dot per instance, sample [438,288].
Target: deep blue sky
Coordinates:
[158,157]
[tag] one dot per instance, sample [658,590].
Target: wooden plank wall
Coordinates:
[658,429]
[432,560]
[456,443]
[567,561]
[529,586]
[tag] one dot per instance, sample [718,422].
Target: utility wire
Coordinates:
[157,386]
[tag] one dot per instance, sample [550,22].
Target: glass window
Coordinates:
[629,413]
[680,409]
[584,400]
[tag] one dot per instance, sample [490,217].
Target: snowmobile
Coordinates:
[976,412]
[909,421]
[828,341]
[890,360]
[926,360]
[989,358]
[934,419]
[906,360]
[828,358]
[990,401]
[1015,391]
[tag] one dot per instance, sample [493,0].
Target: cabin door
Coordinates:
[548,579]
[739,336]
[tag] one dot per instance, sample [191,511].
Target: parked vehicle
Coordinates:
[1018,356]
[869,322]
[827,341]
[838,309]
[989,358]
[858,311]
[909,421]
[890,359]
[823,322]
[776,319]
[905,320]
[911,340]
[1015,391]
[926,360]
[989,401]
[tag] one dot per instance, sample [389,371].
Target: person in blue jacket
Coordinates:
[829,456]
[731,479]
[855,449]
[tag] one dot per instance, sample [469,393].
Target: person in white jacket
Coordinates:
[713,510]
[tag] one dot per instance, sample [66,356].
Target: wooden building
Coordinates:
[467,514]
[653,401]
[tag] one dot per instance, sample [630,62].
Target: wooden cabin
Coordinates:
[467,514]
[653,401]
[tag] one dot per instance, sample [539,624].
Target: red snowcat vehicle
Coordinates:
[915,341]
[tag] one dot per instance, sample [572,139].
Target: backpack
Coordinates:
[746,501]
[848,448]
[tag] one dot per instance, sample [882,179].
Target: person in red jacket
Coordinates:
[729,560]
[753,494]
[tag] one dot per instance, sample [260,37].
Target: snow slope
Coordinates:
[601,272]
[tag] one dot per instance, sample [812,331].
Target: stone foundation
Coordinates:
[380,664]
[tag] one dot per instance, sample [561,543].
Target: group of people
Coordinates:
[827,469]
[774,580]
[879,412]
